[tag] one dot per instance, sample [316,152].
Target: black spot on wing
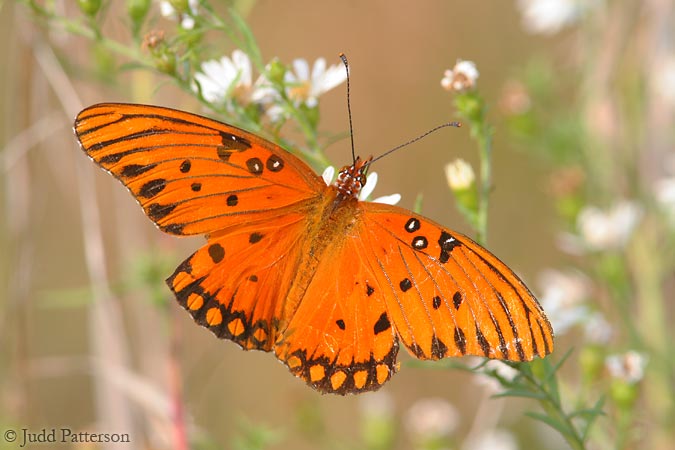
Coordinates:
[457,299]
[233,142]
[405,284]
[157,212]
[173,228]
[447,244]
[420,243]
[232,200]
[134,170]
[382,324]
[460,340]
[412,225]
[274,163]
[216,252]
[484,344]
[438,348]
[152,188]
[255,166]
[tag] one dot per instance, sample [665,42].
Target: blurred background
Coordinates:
[581,97]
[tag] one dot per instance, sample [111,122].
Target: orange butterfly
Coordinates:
[329,283]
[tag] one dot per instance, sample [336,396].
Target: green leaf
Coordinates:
[520,393]
[560,427]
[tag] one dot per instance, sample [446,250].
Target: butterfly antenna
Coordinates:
[343,57]
[449,124]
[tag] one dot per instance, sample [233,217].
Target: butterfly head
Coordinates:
[351,179]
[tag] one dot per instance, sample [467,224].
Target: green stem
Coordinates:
[484,137]
[551,405]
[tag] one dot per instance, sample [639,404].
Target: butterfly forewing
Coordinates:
[193,175]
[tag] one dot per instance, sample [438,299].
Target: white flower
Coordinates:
[459,175]
[230,79]
[494,439]
[186,18]
[431,417]
[303,87]
[460,78]
[629,367]
[550,16]
[366,190]
[562,298]
[608,230]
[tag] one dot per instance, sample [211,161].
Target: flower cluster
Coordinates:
[460,78]
[229,81]
[601,230]
[184,12]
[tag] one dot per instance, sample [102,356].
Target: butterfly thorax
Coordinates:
[351,179]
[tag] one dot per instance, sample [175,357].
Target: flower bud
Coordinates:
[89,7]
[462,182]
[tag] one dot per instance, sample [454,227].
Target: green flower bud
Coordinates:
[89,7]
[137,10]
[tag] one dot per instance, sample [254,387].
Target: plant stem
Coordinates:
[484,137]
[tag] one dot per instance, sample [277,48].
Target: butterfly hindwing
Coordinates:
[193,175]
[237,283]
[448,296]
[340,339]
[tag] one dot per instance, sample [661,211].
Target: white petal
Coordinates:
[220,71]
[243,64]
[166,9]
[333,77]
[301,68]
[211,91]
[263,92]
[392,199]
[371,182]
[328,174]
[188,22]
[468,69]
[318,69]
[275,113]
[194,6]
[311,102]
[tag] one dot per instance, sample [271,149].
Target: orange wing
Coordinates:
[445,294]
[193,175]
[291,265]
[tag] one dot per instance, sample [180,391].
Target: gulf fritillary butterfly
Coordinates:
[329,283]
